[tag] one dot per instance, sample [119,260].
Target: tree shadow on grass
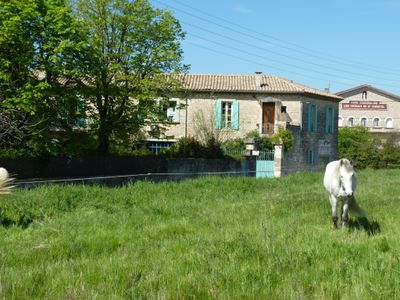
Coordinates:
[371,228]
[23,221]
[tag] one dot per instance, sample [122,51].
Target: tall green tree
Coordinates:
[43,53]
[132,45]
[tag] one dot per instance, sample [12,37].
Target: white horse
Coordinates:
[340,182]
[5,181]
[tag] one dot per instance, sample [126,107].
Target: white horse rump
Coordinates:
[5,182]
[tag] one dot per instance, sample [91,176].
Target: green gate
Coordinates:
[265,164]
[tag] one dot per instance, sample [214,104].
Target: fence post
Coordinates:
[278,157]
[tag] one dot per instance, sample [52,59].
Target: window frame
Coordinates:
[373,122]
[173,111]
[312,117]
[311,157]
[227,114]
[348,121]
[386,120]
[340,121]
[329,119]
[361,121]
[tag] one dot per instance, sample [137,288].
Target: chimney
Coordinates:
[258,80]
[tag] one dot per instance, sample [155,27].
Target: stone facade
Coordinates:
[310,115]
[310,151]
[201,105]
[367,106]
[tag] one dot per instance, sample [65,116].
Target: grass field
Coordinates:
[223,238]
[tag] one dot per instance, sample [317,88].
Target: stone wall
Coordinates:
[324,145]
[250,112]
[114,170]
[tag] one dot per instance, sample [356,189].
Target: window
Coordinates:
[310,157]
[350,122]
[171,111]
[329,120]
[363,122]
[312,118]
[340,122]
[364,95]
[376,122]
[227,114]
[157,146]
[389,123]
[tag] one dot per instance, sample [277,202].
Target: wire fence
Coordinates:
[122,179]
[115,180]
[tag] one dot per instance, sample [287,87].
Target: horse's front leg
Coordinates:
[345,212]
[333,201]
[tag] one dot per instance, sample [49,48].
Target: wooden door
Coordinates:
[268,118]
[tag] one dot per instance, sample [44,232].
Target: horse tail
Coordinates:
[5,182]
[356,209]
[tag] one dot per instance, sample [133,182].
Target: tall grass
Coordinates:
[223,238]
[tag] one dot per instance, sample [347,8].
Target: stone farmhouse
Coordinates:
[238,104]
[373,108]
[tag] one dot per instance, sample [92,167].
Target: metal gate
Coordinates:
[265,164]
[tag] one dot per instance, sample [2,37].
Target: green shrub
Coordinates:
[263,143]
[284,136]
[358,145]
[191,147]
[236,144]
[390,154]
[16,153]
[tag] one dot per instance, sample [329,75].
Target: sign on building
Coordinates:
[324,148]
[364,105]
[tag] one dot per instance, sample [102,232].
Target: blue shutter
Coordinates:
[217,114]
[309,116]
[333,120]
[310,157]
[316,119]
[313,157]
[327,123]
[235,115]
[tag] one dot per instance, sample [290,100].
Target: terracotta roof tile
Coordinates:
[254,83]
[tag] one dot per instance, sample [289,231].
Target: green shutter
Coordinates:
[217,114]
[316,119]
[327,115]
[333,120]
[309,116]
[235,115]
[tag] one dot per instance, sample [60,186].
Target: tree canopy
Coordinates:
[102,59]
[41,58]
[132,43]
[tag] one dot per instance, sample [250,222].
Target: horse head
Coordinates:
[347,177]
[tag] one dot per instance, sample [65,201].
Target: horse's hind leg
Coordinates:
[333,201]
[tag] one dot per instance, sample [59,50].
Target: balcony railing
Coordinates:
[267,128]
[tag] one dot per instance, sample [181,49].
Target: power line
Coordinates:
[266,65]
[321,55]
[283,63]
[287,56]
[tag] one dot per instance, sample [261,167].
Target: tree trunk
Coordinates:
[104,139]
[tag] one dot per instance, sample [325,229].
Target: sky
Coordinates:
[335,44]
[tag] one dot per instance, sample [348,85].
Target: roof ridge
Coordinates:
[365,85]
[249,83]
